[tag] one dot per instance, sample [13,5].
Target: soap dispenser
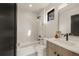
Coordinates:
[57,35]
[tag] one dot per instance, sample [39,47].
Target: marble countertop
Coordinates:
[70,45]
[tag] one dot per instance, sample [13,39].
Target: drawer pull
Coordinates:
[58,55]
[54,52]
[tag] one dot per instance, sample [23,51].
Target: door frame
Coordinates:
[15,29]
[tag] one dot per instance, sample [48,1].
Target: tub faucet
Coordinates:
[66,36]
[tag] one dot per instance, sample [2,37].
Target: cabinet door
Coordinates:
[59,51]
[48,50]
[69,53]
[65,52]
[51,49]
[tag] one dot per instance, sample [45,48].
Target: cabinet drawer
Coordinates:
[68,53]
[64,52]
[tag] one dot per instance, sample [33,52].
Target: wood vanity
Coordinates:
[57,50]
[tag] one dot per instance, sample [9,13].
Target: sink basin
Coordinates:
[70,43]
[63,42]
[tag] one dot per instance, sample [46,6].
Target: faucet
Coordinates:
[66,36]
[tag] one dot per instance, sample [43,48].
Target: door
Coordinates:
[7,29]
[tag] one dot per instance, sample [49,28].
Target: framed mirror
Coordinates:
[66,18]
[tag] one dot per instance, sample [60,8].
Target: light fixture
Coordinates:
[30,5]
[29,33]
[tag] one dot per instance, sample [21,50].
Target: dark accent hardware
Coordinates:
[66,36]
[58,55]
[55,52]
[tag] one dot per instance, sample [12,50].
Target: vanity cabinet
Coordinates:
[55,50]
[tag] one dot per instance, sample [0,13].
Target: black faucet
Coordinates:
[66,36]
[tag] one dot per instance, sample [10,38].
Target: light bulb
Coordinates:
[30,5]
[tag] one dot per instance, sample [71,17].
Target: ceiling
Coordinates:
[35,6]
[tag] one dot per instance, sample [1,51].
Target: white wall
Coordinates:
[49,28]
[26,21]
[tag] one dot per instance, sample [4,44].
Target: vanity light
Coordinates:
[30,5]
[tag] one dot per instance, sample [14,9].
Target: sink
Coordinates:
[70,43]
[63,42]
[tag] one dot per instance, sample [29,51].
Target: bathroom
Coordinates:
[30,25]
[42,29]
[34,29]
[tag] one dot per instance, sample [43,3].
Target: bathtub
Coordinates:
[31,49]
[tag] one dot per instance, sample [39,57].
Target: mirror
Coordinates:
[75,24]
[64,17]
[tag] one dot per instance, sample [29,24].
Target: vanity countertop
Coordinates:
[70,45]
